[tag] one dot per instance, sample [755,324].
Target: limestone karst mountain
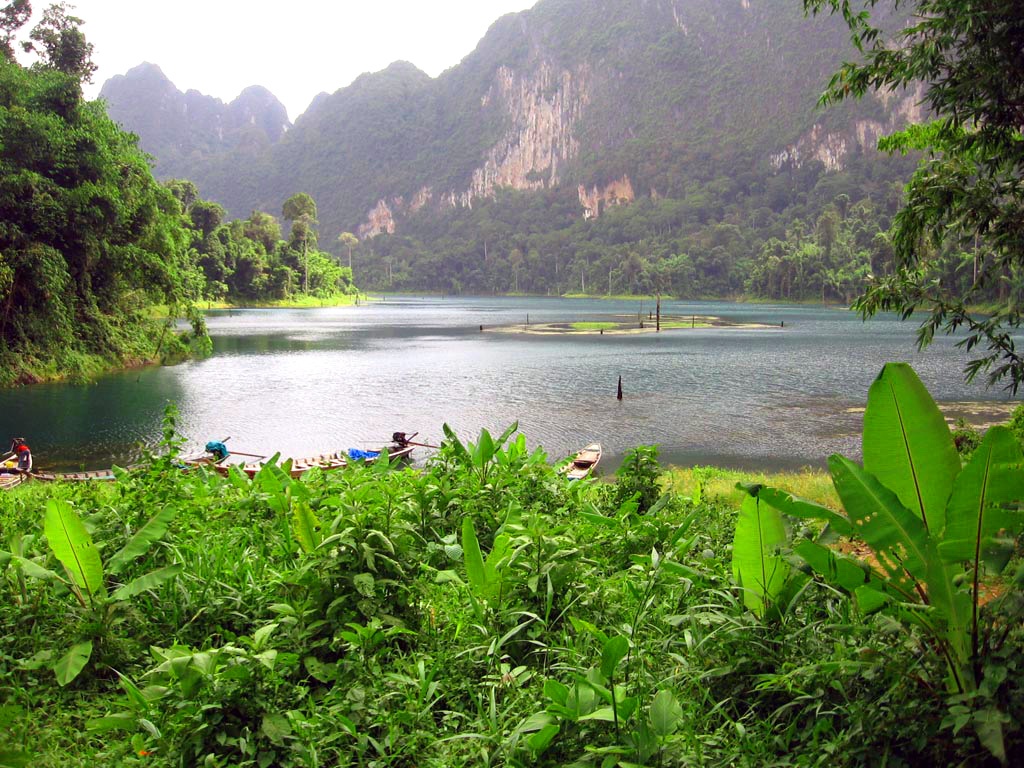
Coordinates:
[606,100]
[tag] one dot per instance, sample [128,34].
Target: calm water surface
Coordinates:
[308,381]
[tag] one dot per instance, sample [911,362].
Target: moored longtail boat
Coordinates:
[106,475]
[584,463]
[218,458]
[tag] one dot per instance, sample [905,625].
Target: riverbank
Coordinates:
[131,346]
[296,302]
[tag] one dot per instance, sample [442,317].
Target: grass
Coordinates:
[594,326]
[480,612]
[720,484]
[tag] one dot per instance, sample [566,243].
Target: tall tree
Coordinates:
[970,183]
[61,44]
[348,240]
[12,18]
[300,210]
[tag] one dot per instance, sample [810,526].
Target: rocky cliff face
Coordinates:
[543,108]
[604,99]
[832,147]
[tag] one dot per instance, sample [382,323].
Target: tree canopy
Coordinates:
[968,191]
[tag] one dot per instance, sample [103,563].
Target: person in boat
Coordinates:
[20,449]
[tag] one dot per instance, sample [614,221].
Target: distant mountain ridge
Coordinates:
[614,99]
[179,128]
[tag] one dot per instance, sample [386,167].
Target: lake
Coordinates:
[314,380]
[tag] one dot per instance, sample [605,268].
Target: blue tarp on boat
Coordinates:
[355,454]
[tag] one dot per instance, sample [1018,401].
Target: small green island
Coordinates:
[624,324]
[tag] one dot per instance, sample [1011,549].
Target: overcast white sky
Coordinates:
[296,48]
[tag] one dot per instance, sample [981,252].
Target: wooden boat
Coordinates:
[327,461]
[106,475]
[10,475]
[584,463]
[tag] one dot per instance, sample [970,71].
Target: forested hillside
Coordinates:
[98,260]
[590,146]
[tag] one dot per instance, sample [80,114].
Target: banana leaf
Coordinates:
[140,542]
[983,516]
[758,567]
[794,506]
[907,444]
[70,665]
[150,580]
[73,547]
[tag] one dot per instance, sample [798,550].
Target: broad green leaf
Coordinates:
[475,572]
[614,651]
[147,581]
[838,569]
[460,449]
[73,546]
[540,740]
[506,434]
[556,691]
[142,540]
[794,506]
[72,663]
[985,504]
[757,565]
[908,446]
[30,567]
[121,721]
[306,527]
[498,552]
[276,727]
[895,534]
[484,451]
[665,713]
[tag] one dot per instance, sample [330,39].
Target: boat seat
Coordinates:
[588,457]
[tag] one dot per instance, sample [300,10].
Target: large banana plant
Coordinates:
[84,574]
[935,528]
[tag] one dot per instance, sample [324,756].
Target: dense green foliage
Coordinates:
[804,235]
[482,611]
[932,525]
[968,192]
[88,240]
[246,260]
[90,243]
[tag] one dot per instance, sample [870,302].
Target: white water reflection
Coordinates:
[309,381]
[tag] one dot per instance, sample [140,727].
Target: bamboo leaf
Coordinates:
[72,663]
[907,444]
[153,530]
[985,504]
[73,547]
[148,581]
[757,565]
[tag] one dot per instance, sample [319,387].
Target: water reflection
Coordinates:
[308,381]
